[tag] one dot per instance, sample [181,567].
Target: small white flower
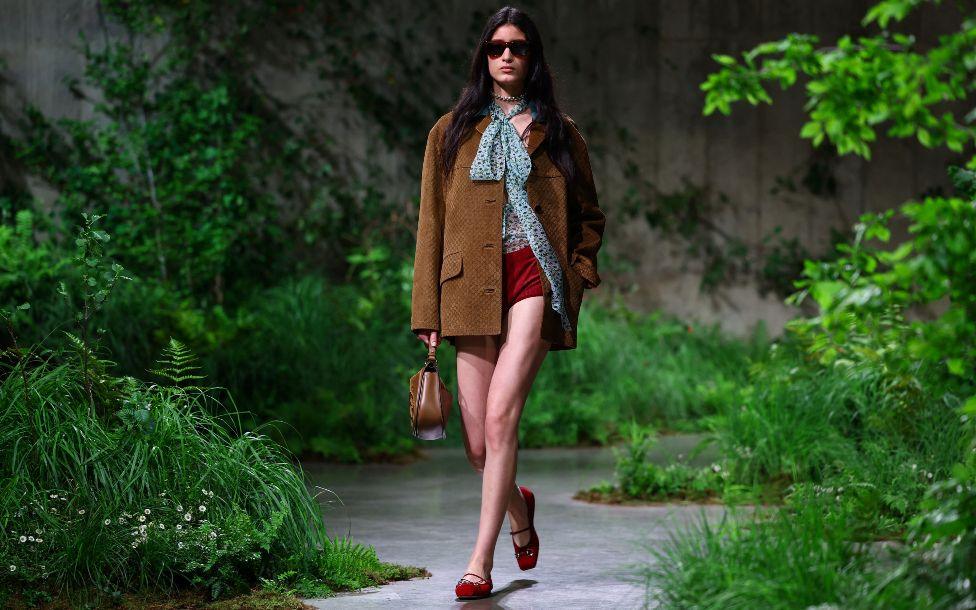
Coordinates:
[81,511]
[179,545]
[187,517]
[108,522]
[213,535]
[31,538]
[179,508]
[121,519]
[142,528]
[146,511]
[12,568]
[162,526]
[135,544]
[38,531]
[179,526]
[202,508]
[23,538]
[40,540]
[142,517]
[52,495]
[929,475]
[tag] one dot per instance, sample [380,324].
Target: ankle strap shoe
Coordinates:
[528,555]
[469,589]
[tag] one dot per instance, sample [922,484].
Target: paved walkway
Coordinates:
[426,514]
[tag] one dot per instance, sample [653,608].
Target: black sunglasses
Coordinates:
[495,48]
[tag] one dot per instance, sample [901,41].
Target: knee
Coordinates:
[500,429]
[476,457]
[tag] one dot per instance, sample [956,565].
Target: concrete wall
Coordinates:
[636,65]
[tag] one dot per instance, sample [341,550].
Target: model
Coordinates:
[507,239]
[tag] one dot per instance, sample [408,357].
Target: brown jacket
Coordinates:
[457,276]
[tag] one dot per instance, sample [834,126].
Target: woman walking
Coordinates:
[507,238]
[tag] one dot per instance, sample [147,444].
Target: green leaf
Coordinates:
[969,407]
[725,60]
[956,366]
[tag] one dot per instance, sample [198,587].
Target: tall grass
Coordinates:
[650,368]
[801,557]
[144,488]
[331,362]
[834,444]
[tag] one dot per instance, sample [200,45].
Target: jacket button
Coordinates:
[489,289]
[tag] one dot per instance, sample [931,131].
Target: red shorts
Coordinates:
[520,274]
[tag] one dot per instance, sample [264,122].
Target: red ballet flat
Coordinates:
[468,589]
[528,555]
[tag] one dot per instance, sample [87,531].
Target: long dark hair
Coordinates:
[538,88]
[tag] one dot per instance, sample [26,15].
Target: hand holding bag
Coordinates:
[430,401]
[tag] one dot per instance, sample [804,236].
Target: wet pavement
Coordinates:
[426,514]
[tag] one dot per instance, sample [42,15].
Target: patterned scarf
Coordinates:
[501,154]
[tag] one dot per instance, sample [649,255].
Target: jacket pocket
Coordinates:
[451,265]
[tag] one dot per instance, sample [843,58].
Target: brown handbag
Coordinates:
[430,401]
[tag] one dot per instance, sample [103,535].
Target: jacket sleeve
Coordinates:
[591,217]
[425,295]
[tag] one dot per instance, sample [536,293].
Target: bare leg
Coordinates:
[476,357]
[519,359]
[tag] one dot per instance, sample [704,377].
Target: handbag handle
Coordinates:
[431,362]
[431,348]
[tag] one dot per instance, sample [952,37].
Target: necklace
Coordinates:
[508,98]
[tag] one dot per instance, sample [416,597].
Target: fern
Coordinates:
[97,366]
[177,363]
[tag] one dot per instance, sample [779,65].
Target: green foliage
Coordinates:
[798,557]
[644,480]
[26,267]
[167,166]
[122,485]
[857,85]
[177,364]
[943,541]
[863,297]
[670,374]
[867,421]
[306,352]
